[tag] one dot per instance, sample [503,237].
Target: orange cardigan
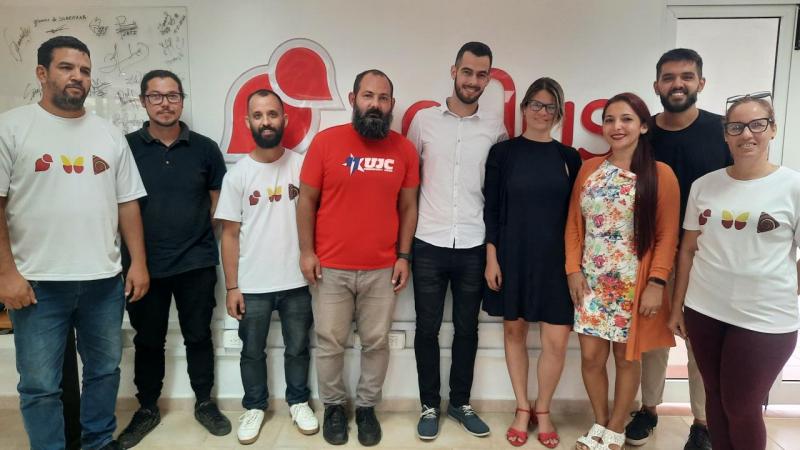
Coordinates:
[646,333]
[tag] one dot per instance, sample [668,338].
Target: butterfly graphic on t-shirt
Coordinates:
[274,195]
[738,223]
[70,166]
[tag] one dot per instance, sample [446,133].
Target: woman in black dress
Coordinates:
[528,183]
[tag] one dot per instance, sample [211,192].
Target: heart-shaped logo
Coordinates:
[43,163]
[254,198]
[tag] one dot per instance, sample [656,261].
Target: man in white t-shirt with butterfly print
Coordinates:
[68,186]
[261,260]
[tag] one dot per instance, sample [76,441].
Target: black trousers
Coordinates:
[434,268]
[195,301]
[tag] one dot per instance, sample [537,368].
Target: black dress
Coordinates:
[527,189]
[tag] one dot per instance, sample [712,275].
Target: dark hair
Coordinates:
[476,48]
[550,86]
[263,93]
[747,99]
[159,73]
[643,165]
[680,54]
[376,72]
[44,56]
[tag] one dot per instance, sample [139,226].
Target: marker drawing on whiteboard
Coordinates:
[98,28]
[100,87]
[125,28]
[171,23]
[57,29]
[31,93]
[123,57]
[17,41]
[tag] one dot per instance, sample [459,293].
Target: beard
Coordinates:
[263,142]
[463,97]
[691,99]
[372,123]
[69,102]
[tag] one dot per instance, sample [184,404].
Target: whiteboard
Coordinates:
[124,42]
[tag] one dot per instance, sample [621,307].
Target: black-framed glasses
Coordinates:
[740,97]
[755,126]
[537,106]
[157,98]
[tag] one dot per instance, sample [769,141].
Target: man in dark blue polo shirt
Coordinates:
[182,172]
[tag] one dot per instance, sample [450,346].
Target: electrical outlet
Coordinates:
[397,340]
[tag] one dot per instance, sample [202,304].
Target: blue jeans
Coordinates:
[94,309]
[294,309]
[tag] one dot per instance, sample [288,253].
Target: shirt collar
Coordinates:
[144,132]
[446,111]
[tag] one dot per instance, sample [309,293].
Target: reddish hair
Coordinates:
[643,165]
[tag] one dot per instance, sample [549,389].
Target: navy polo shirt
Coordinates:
[177,210]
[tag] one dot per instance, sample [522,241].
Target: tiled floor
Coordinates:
[179,431]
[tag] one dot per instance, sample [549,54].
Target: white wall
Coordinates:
[595,49]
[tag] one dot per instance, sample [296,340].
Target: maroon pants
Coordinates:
[738,367]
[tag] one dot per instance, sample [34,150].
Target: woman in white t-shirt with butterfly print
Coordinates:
[736,283]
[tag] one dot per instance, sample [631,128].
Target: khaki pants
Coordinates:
[338,298]
[654,374]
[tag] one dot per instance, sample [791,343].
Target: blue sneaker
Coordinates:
[469,420]
[428,425]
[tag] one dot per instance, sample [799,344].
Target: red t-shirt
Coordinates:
[359,181]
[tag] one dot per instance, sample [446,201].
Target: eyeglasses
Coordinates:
[738,98]
[157,99]
[755,126]
[537,106]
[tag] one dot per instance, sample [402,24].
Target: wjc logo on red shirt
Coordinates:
[361,164]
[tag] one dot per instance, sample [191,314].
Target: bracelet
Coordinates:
[657,281]
[230,289]
[406,256]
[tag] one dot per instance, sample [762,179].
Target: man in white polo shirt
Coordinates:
[68,185]
[453,141]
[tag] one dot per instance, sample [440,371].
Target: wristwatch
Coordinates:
[656,280]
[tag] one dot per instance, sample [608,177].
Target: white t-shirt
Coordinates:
[263,198]
[744,270]
[64,179]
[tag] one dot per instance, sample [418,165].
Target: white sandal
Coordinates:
[588,441]
[612,438]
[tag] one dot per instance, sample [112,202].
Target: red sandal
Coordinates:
[551,436]
[515,437]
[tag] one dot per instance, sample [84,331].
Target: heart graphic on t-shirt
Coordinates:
[43,163]
[254,198]
[99,165]
[703,219]
[294,191]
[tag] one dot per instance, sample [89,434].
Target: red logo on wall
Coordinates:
[301,72]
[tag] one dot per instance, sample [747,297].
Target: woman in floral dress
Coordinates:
[620,239]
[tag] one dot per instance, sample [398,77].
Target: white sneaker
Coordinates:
[250,426]
[304,418]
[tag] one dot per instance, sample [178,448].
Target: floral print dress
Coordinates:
[609,253]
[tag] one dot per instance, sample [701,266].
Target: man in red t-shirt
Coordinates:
[356,219]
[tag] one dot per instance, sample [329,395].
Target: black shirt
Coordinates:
[177,210]
[693,151]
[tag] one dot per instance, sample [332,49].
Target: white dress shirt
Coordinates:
[453,153]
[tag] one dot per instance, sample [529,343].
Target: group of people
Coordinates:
[520,227]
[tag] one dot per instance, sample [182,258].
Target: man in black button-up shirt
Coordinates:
[182,172]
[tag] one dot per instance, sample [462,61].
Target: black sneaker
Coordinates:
[334,425]
[698,438]
[143,422]
[638,431]
[428,425]
[113,445]
[369,429]
[209,416]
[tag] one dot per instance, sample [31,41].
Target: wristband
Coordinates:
[230,289]
[657,281]
[406,256]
